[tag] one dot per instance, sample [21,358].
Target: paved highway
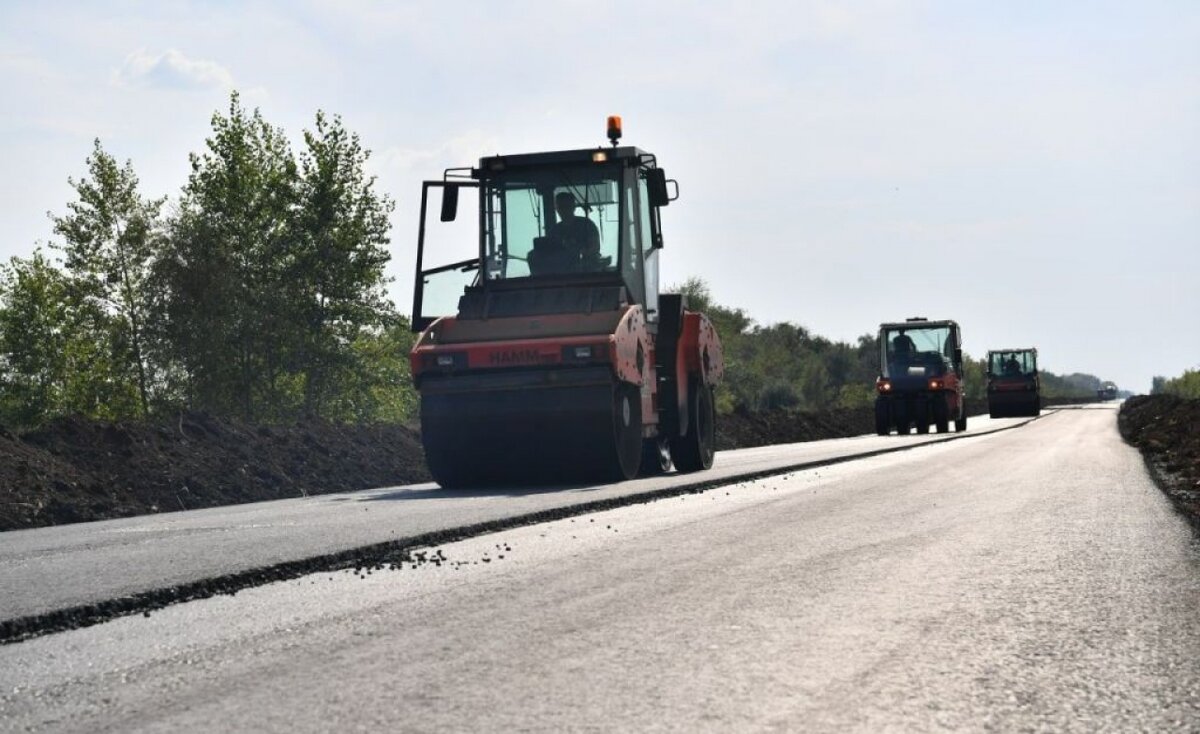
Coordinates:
[1030,579]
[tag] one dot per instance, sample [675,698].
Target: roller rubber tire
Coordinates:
[901,417]
[941,415]
[694,450]
[883,424]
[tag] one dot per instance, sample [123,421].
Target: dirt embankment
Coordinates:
[74,470]
[1165,429]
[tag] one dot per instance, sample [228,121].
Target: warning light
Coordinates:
[614,129]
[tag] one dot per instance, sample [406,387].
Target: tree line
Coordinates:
[785,366]
[1186,385]
[259,293]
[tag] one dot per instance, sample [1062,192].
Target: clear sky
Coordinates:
[1030,169]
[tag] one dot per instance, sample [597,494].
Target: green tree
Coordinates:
[227,298]
[379,387]
[975,377]
[1186,385]
[56,349]
[33,307]
[341,236]
[110,237]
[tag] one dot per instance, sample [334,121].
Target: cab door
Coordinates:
[454,245]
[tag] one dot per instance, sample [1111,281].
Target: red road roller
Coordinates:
[548,355]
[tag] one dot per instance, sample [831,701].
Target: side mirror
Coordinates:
[449,202]
[656,186]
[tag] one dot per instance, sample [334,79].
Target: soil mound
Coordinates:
[741,430]
[74,469]
[1163,427]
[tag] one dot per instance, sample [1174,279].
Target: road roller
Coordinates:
[546,352]
[920,381]
[1013,386]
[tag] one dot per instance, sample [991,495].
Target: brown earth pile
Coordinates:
[1165,429]
[73,469]
[741,430]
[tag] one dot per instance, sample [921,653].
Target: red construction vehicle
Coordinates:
[548,354]
[920,379]
[1013,387]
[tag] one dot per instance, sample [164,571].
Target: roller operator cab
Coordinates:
[1013,387]
[920,377]
[547,353]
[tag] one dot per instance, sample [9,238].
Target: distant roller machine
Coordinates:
[921,377]
[1013,386]
[1107,391]
[549,354]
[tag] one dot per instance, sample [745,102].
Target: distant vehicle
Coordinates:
[547,351]
[920,377]
[1107,392]
[1013,387]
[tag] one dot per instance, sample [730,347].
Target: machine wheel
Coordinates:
[883,424]
[901,417]
[941,415]
[627,433]
[446,464]
[656,456]
[921,419]
[694,450]
[960,424]
[449,472]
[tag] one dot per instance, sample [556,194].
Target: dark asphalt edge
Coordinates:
[394,551]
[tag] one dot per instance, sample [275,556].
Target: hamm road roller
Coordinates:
[921,377]
[546,353]
[1013,387]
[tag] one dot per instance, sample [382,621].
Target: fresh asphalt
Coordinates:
[48,569]
[1030,579]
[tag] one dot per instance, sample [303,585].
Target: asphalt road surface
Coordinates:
[1029,579]
[49,568]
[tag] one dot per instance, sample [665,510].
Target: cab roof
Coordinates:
[499,163]
[919,324]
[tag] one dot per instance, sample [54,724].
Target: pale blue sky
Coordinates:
[1031,169]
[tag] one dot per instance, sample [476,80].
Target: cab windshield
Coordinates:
[1014,363]
[917,351]
[552,222]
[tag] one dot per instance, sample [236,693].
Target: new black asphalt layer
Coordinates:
[1033,580]
[134,565]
